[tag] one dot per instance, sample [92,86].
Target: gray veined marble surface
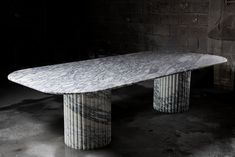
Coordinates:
[110,72]
[171,93]
[87,120]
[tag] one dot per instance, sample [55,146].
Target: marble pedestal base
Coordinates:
[87,120]
[171,93]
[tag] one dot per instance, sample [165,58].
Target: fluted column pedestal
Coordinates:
[87,120]
[171,93]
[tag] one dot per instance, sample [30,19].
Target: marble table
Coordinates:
[86,88]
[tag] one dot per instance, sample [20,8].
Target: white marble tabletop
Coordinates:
[110,72]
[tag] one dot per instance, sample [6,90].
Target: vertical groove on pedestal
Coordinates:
[171,93]
[87,120]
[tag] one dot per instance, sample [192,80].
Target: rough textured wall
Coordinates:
[221,41]
[132,25]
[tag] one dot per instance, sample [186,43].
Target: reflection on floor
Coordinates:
[31,125]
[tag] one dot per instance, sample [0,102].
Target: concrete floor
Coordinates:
[31,125]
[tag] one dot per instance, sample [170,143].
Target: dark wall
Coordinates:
[134,25]
[44,32]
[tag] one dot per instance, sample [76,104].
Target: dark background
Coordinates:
[42,32]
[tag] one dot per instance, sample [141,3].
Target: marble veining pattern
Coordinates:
[171,93]
[87,120]
[110,72]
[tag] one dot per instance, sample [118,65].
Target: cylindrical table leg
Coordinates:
[87,120]
[171,93]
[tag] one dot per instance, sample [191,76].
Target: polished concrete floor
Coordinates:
[31,125]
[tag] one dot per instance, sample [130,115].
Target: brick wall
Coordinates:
[135,25]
